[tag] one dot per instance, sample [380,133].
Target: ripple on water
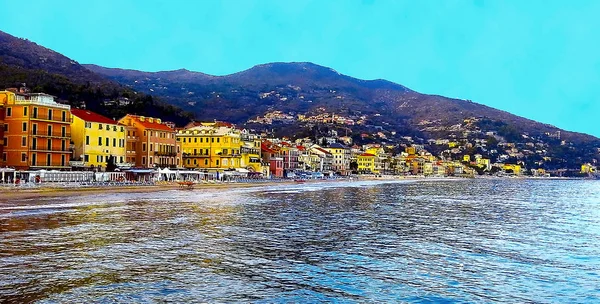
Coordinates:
[418,241]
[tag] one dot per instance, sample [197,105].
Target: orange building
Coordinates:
[156,143]
[36,131]
[3,156]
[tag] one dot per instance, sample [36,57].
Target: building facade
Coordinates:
[156,144]
[211,147]
[96,139]
[36,131]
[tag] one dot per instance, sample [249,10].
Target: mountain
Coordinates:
[44,70]
[305,87]
[387,111]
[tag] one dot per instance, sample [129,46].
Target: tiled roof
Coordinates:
[151,125]
[90,116]
[367,154]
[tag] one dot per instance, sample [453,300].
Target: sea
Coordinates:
[405,241]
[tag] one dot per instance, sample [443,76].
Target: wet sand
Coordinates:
[9,195]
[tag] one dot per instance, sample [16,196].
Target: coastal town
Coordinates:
[40,135]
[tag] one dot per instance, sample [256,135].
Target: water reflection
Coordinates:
[472,241]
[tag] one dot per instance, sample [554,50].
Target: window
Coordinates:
[99,141]
[63,131]
[63,145]
[114,142]
[195,162]
[35,112]
[6,127]
[151,162]
[99,126]
[144,133]
[49,144]
[34,129]
[8,111]
[114,128]
[34,143]
[86,158]
[151,148]
[188,161]
[88,125]
[24,127]
[195,139]
[218,139]
[49,114]
[184,139]
[4,156]
[206,162]
[34,159]
[62,160]
[24,141]
[49,130]
[64,116]
[121,159]
[49,159]
[25,111]
[87,140]
[200,139]
[122,129]
[212,139]
[23,157]
[144,148]
[217,162]
[107,142]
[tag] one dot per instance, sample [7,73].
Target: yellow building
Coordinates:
[211,146]
[516,169]
[341,158]
[411,150]
[588,168]
[484,163]
[366,163]
[96,138]
[250,152]
[452,144]
[467,158]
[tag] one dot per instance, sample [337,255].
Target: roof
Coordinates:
[151,125]
[90,116]
[337,146]
[322,150]
[367,154]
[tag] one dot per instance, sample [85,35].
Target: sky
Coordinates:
[535,58]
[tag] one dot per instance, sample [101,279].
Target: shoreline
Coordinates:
[7,195]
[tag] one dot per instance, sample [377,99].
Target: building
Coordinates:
[156,143]
[36,131]
[250,149]
[272,157]
[366,163]
[211,146]
[341,158]
[290,154]
[96,139]
[510,168]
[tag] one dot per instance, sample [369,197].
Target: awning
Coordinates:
[242,170]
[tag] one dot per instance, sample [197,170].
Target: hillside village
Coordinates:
[39,133]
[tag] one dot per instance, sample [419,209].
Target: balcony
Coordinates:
[195,155]
[131,152]
[53,134]
[55,118]
[163,153]
[49,149]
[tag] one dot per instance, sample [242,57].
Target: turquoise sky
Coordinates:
[538,59]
